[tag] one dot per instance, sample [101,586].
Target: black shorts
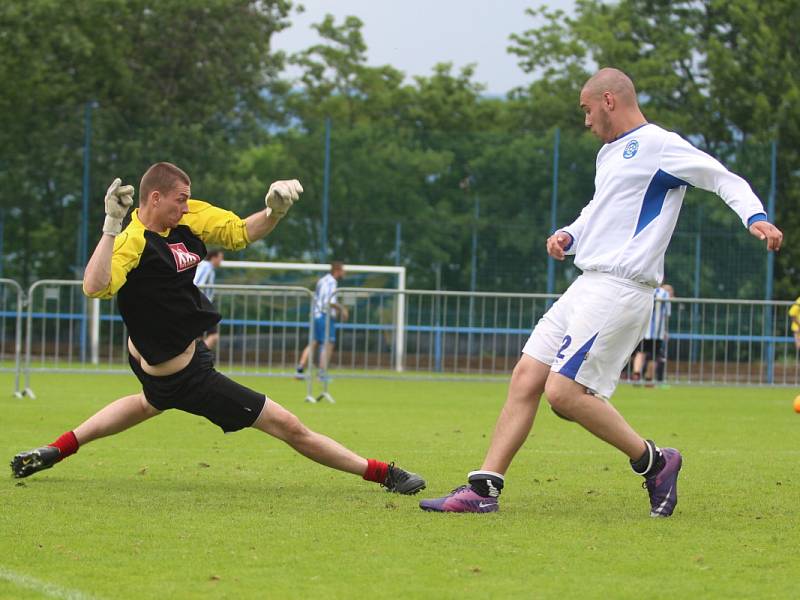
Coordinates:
[202,390]
[652,348]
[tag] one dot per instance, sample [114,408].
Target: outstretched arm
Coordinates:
[682,160]
[260,224]
[223,228]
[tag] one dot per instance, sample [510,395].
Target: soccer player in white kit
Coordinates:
[579,347]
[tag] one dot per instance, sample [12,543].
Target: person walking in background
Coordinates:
[204,278]
[324,301]
[651,356]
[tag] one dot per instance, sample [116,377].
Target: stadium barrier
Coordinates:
[12,303]
[479,336]
[445,335]
[263,331]
[731,342]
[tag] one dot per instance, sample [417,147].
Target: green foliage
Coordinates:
[725,74]
[200,84]
[177,81]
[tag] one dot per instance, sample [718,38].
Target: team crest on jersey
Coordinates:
[631,149]
[184,259]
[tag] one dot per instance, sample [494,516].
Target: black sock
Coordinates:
[486,483]
[649,463]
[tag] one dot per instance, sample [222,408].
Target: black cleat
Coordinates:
[400,481]
[28,463]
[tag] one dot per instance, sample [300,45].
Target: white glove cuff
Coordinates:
[112,226]
[271,212]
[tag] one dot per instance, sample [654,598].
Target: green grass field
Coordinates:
[175,509]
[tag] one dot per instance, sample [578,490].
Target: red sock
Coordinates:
[67,444]
[376,471]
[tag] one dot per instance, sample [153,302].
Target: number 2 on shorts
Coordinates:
[564,344]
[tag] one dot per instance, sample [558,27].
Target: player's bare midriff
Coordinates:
[168,367]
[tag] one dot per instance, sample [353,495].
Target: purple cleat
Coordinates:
[663,488]
[462,499]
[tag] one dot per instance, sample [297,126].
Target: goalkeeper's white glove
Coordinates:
[119,199]
[281,196]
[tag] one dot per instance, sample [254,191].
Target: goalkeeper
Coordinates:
[150,266]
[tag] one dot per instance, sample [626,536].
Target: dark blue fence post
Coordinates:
[84,254]
[768,320]
[698,254]
[326,177]
[551,263]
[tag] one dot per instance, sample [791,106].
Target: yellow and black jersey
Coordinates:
[152,273]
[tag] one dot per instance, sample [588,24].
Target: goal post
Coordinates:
[398,272]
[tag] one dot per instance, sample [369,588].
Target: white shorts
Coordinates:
[590,333]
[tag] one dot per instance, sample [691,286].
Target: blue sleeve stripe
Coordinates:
[571,239]
[756,218]
[653,201]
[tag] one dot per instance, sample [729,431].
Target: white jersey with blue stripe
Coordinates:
[324,294]
[662,309]
[641,179]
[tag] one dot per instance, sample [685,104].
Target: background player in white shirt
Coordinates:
[579,347]
[204,278]
[651,354]
[324,300]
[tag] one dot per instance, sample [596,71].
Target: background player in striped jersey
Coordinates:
[578,348]
[150,266]
[325,301]
[204,279]
[651,356]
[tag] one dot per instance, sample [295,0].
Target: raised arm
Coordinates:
[279,199]
[109,264]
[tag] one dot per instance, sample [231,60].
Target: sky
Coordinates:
[414,35]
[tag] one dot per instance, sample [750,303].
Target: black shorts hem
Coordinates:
[201,390]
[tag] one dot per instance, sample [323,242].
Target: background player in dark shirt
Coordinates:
[150,266]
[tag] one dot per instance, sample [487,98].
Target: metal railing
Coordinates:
[445,335]
[12,303]
[733,342]
[264,328]
[468,336]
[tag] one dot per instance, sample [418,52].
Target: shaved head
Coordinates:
[613,81]
[609,102]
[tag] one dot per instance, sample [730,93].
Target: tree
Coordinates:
[723,74]
[190,94]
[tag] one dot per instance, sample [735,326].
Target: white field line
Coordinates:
[37,585]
